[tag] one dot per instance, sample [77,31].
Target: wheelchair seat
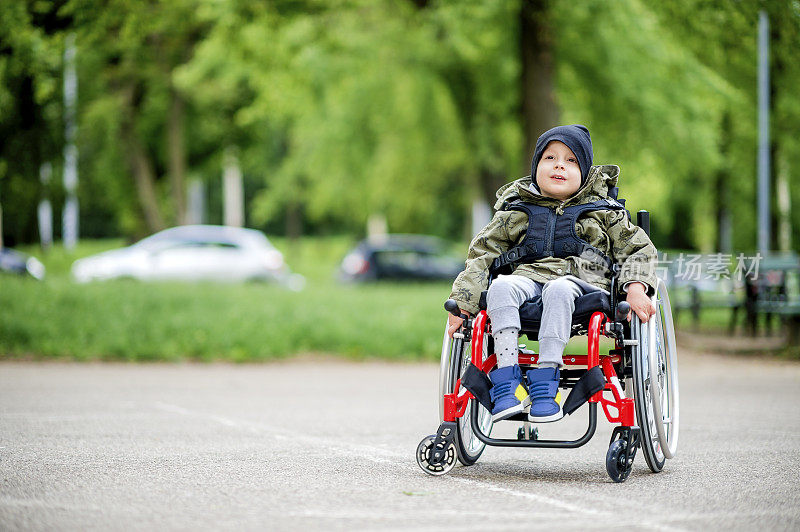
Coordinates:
[530,313]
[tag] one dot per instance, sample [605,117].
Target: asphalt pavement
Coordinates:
[322,444]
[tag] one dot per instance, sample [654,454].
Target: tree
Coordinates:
[30,108]
[653,108]
[407,108]
[361,121]
[728,47]
[537,50]
[133,48]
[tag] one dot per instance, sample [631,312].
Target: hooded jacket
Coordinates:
[610,231]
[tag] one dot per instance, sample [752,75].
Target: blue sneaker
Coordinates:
[508,394]
[543,387]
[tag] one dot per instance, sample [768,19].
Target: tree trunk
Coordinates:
[294,221]
[539,109]
[484,195]
[489,183]
[295,212]
[176,148]
[140,165]
[294,230]
[144,177]
[781,219]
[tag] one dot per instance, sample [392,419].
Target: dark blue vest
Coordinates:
[552,235]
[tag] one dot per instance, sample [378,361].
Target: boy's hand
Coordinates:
[639,302]
[454,322]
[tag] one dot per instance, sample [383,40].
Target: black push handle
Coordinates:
[452,307]
[623,308]
[643,221]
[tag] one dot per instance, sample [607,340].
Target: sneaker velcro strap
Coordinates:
[503,388]
[544,389]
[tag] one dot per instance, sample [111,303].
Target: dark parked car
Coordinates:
[407,257]
[13,261]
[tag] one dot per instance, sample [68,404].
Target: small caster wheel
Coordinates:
[424,457]
[617,465]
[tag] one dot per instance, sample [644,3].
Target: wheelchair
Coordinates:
[635,383]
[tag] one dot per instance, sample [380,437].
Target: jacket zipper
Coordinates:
[551,232]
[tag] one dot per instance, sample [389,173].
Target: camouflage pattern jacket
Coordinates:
[609,231]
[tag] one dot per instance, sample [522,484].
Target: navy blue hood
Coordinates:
[576,137]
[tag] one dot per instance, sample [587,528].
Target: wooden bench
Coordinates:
[775,291]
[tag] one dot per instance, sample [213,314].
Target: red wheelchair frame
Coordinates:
[455,404]
[438,452]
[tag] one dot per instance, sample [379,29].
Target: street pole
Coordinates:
[232,189]
[195,213]
[45,210]
[70,215]
[763,136]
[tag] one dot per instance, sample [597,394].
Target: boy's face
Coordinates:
[558,173]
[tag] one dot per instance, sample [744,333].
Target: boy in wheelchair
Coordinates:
[555,235]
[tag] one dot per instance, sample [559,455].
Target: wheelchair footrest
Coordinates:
[478,384]
[592,382]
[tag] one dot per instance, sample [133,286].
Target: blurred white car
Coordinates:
[192,253]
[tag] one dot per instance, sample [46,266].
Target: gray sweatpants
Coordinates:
[508,292]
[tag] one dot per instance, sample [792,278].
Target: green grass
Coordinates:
[129,320]
[126,320]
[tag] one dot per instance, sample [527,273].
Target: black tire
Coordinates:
[616,465]
[423,455]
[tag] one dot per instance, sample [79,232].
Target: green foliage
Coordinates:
[30,110]
[127,320]
[340,110]
[362,119]
[722,37]
[652,106]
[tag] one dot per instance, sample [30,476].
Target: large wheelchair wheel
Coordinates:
[455,359]
[655,381]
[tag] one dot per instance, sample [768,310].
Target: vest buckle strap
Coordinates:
[561,233]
